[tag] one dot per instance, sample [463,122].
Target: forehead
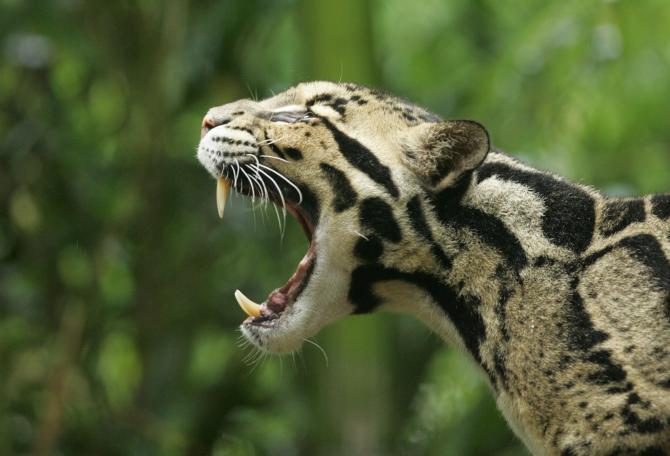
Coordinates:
[308,93]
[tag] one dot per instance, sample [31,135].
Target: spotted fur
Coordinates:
[558,293]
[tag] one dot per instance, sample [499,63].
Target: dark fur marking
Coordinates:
[653,451]
[661,206]
[491,229]
[581,334]
[461,310]
[293,153]
[344,194]
[617,215]
[418,220]
[277,151]
[318,99]
[610,372]
[369,249]
[377,215]
[647,250]
[452,196]
[363,159]
[310,203]
[570,217]
[632,420]
[339,105]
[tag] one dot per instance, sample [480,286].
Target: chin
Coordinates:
[308,301]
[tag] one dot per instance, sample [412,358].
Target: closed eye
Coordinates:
[291,116]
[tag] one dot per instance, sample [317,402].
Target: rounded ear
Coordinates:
[440,153]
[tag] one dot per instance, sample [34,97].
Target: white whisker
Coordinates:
[361,235]
[325,356]
[287,181]
[281,196]
[275,158]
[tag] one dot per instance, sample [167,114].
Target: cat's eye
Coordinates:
[290,116]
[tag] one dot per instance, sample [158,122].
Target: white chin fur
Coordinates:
[320,303]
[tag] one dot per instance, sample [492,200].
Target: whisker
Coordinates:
[256,169]
[325,356]
[253,192]
[281,196]
[287,181]
[282,230]
[275,158]
[236,173]
[361,235]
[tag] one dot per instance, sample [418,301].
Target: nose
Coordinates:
[211,121]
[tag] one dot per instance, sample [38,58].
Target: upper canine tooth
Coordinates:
[222,190]
[250,308]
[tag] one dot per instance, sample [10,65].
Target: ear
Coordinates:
[440,153]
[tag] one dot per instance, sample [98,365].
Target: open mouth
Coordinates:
[280,301]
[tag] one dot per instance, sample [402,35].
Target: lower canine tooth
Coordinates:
[222,190]
[250,308]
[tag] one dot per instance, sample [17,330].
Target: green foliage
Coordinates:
[117,319]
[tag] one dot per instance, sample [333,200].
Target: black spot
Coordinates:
[646,426]
[609,372]
[617,215]
[344,194]
[318,99]
[339,105]
[653,451]
[633,421]
[376,215]
[277,151]
[293,153]
[369,249]
[620,390]
[360,157]
[583,404]
[569,219]
[461,310]
[660,206]
[567,451]
[360,101]
[418,221]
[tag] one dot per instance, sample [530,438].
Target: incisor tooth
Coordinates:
[250,308]
[222,190]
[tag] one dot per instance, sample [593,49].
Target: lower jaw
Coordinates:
[281,300]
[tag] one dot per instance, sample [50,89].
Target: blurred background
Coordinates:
[117,318]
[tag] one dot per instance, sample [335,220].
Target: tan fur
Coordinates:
[578,350]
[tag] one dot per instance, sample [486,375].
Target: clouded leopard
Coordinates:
[559,294]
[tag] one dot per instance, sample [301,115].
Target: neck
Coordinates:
[495,225]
